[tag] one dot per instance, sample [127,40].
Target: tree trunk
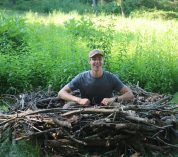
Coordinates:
[94,4]
[122,9]
[102,2]
[14,2]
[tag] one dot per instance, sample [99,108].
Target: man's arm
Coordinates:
[126,95]
[64,93]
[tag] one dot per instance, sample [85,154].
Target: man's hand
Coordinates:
[84,102]
[107,101]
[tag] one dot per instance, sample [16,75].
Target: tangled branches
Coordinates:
[148,124]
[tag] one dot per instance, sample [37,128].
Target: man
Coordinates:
[96,86]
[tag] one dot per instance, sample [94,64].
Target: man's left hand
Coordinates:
[107,101]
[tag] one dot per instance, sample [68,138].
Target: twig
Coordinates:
[168,144]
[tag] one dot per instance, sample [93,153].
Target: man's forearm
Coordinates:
[125,97]
[67,96]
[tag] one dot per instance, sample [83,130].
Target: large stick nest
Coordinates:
[149,124]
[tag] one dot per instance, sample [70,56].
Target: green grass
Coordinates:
[138,50]
[148,51]
[175,98]
[21,149]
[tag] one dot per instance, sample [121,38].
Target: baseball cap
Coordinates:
[95,52]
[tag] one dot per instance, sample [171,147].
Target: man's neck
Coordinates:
[96,74]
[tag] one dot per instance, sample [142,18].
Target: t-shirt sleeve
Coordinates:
[74,84]
[117,83]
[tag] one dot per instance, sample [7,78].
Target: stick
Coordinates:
[92,110]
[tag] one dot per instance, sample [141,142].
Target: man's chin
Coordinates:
[97,69]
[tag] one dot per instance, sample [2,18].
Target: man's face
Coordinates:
[96,62]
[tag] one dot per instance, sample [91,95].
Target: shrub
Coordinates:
[12,35]
[155,14]
[99,37]
[14,49]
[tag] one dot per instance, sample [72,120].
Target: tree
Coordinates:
[94,4]
[122,9]
[120,3]
[13,2]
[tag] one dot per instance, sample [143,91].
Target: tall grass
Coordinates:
[138,50]
[147,52]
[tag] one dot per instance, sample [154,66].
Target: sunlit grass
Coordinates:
[56,18]
[134,25]
[140,46]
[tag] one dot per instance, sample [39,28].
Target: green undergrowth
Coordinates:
[20,149]
[38,50]
[175,98]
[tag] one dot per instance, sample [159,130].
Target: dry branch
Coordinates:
[148,123]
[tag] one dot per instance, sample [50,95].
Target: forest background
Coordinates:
[46,42]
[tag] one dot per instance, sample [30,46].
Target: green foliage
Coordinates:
[155,14]
[153,71]
[55,56]
[175,98]
[48,52]
[97,37]
[168,5]
[86,6]
[137,50]
[80,28]
[14,48]
[20,149]
[46,6]
[12,31]
[131,6]
[109,8]
[154,68]
[12,74]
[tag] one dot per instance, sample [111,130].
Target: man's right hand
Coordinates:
[84,101]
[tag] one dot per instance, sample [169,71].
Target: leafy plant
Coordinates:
[12,32]
[135,49]
[20,149]
[99,37]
